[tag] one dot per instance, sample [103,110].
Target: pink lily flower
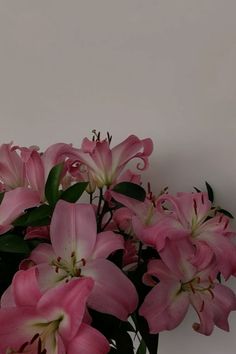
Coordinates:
[180,285]
[77,251]
[12,170]
[48,323]
[104,164]
[13,205]
[189,214]
[146,222]
[38,166]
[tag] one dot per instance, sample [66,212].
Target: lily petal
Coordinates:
[107,242]
[73,230]
[14,203]
[69,300]
[113,292]
[82,343]
[164,307]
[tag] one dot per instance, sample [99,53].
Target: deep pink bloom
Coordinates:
[13,205]
[130,257]
[146,222]
[77,251]
[191,215]
[122,220]
[37,232]
[48,323]
[104,165]
[181,284]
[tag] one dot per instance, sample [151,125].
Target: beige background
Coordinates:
[163,68]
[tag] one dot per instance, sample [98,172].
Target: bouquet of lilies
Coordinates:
[90,261]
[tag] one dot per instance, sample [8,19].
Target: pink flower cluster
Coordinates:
[71,272]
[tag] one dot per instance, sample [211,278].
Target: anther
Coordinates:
[198,280]
[202,198]
[226,224]
[34,338]
[59,259]
[202,306]
[195,206]
[23,347]
[196,326]
[109,137]
[220,218]
[192,288]
[78,272]
[39,346]
[211,292]
[83,262]
[210,279]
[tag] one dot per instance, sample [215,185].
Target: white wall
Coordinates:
[158,68]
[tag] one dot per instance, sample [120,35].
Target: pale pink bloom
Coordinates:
[14,204]
[34,170]
[180,285]
[77,251]
[104,164]
[50,323]
[190,214]
[12,170]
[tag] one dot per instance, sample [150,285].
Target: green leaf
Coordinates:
[226,212]
[210,192]
[73,193]
[151,340]
[131,190]
[52,185]
[13,244]
[142,349]
[124,343]
[35,217]
[127,326]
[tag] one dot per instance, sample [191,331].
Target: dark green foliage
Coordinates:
[73,193]
[52,185]
[12,243]
[35,217]
[115,330]
[131,190]
[9,263]
[142,349]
